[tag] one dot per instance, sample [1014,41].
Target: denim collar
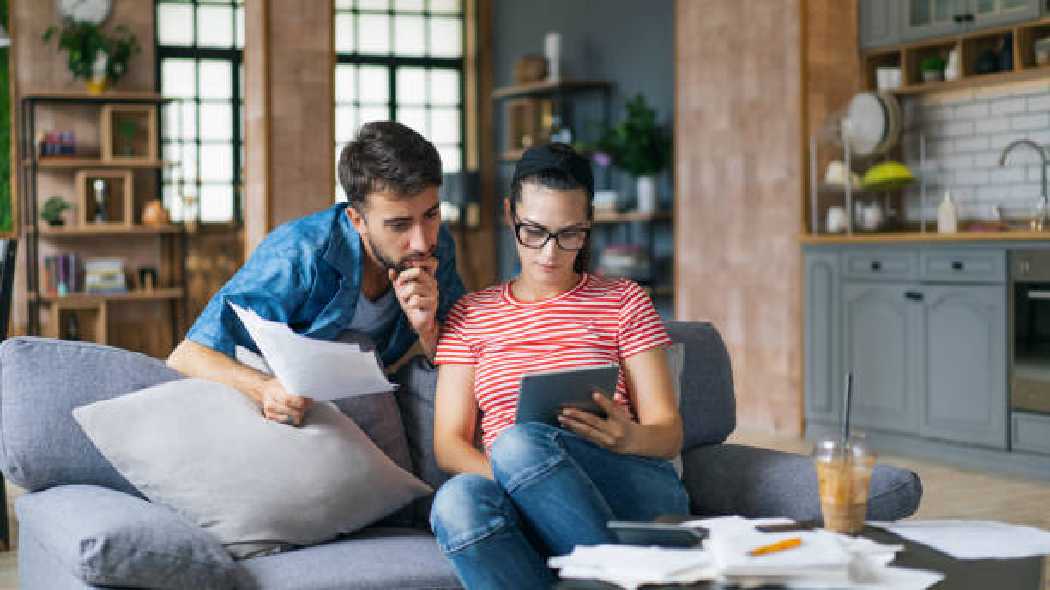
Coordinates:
[344,251]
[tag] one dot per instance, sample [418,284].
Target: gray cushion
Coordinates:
[204,449]
[735,479]
[105,537]
[417,384]
[41,381]
[373,559]
[708,405]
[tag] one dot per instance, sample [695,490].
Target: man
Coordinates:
[380,266]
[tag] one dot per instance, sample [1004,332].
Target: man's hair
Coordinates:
[387,156]
[557,177]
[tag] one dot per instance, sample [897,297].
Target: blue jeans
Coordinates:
[553,490]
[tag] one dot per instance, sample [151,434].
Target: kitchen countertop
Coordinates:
[904,237]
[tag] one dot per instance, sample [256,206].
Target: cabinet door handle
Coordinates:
[876,266]
[957,265]
[1040,295]
[914,295]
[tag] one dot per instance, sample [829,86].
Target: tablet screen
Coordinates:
[543,395]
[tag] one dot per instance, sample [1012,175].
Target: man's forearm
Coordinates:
[196,360]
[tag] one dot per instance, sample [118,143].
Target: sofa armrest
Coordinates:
[109,538]
[754,482]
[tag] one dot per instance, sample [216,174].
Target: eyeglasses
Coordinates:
[534,236]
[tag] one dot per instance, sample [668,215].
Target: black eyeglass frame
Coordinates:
[518,224]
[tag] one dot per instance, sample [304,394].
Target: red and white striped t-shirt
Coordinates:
[599,321]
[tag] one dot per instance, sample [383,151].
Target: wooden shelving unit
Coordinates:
[969,45]
[89,312]
[548,87]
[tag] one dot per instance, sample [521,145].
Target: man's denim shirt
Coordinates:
[307,274]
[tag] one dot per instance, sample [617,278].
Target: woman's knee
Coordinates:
[468,505]
[524,451]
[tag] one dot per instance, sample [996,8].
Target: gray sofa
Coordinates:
[78,506]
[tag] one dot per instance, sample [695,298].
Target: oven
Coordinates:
[1029,325]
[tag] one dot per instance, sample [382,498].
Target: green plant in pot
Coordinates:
[93,55]
[126,130]
[640,147]
[52,210]
[932,68]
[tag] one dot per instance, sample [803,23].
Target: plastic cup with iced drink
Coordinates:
[843,476]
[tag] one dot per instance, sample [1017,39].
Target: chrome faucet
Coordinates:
[1039,221]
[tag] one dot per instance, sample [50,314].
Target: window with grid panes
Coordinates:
[400,60]
[200,47]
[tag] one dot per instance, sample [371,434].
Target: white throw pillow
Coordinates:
[205,450]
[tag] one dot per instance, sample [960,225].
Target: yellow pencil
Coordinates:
[774,547]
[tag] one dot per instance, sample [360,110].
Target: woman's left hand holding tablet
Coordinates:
[615,432]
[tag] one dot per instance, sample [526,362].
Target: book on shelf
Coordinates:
[62,274]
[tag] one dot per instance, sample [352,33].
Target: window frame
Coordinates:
[392,62]
[235,57]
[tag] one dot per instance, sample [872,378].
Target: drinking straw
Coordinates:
[846,407]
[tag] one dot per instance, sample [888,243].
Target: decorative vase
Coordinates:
[933,75]
[99,80]
[154,213]
[646,192]
[96,87]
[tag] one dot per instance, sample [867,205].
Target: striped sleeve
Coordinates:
[453,347]
[640,327]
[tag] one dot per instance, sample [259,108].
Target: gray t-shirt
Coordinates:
[372,319]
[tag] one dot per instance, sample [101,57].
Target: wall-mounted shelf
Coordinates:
[548,87]
[80,231]
[73,162]
[908,57]
[91,298]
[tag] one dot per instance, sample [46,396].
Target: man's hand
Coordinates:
[416,289]
[280,406]
[616,432]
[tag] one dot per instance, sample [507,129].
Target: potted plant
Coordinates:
[932,68]
[127,129]
[95,56]
[53,209]
[639,146]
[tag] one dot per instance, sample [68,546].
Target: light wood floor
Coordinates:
[948,492]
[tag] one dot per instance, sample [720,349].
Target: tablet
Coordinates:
[543,395]
[657,533]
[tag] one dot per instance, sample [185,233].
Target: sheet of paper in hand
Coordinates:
[314,368]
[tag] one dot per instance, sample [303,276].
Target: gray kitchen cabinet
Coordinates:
[822,346]
[881,337]
[963,391]
[922,19]
[879,22]
[995,13]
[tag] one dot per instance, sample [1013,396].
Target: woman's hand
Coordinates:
[616,432]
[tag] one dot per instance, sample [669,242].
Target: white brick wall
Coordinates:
[965,133]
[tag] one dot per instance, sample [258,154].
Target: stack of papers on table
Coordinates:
[821,560]
[318,369]
[630,566]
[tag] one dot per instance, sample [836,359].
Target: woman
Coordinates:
[537,490]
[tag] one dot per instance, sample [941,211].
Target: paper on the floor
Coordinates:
[630,566]
[973,539]
[314,368]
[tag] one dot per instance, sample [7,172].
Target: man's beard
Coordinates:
[405,263]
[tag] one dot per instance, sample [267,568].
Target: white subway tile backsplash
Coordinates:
[966,132]
[971,144]
[1007,106]
[1007,175]
[992,125]
[956,129]
[1033,121]
[972,111]
[1039,104]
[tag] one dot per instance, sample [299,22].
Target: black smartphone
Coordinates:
[657,533]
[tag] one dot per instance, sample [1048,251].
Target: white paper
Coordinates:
[314,368]
[630,566]
[973,539]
